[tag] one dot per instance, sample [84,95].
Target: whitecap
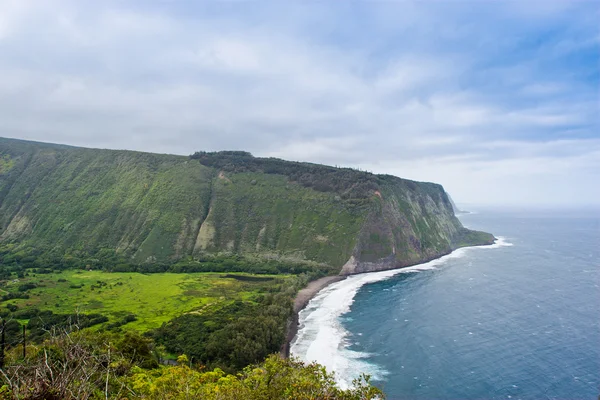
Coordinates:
[321,336]
[500,241]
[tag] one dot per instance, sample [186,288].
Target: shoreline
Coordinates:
[305,295]
[301,300]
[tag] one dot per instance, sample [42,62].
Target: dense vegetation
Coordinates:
[87,365]
[347,182]
[64,207]
[236,335]
[222,320]
[45,261]
[159,256]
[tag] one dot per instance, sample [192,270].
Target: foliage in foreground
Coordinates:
[86,365]
[275,378]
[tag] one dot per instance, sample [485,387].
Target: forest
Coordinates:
[347,182]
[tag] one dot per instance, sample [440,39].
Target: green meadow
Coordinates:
[152,298]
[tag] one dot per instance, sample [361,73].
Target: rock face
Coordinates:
[410,223]
[162,208]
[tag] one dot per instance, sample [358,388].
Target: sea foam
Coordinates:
[500,241]
[321,336]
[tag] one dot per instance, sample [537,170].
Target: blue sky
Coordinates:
[498,101]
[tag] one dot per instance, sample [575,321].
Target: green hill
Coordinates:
[144,208]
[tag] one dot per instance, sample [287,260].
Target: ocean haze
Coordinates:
[518,321]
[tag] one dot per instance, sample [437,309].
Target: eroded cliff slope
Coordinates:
[164,208]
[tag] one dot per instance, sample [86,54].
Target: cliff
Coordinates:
[163,208]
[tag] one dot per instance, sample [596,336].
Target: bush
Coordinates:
[26,314]
[27,286]
[65,367]
[349,183]
[276,378]
[137,349]
[45,322]
[10,296]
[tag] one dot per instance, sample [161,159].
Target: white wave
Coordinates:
[500,241]
[321,336]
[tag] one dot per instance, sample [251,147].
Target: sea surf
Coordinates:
[322,337]
[514,320]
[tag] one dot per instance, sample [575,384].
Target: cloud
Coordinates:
[447,94]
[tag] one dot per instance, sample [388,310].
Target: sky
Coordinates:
[497,101]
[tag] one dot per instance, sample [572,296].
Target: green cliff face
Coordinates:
[153,207]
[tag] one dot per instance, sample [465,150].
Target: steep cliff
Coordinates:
[409,223]
[164,208]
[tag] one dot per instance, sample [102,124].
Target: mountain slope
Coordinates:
[153,207]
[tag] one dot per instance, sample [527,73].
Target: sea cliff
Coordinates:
[155,208]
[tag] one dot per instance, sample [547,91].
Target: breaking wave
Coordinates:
[321,336]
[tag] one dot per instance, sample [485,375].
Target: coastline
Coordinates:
[301,301]
[314,287]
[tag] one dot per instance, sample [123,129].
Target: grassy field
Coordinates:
[152,298]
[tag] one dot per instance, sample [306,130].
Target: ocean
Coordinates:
[516,320]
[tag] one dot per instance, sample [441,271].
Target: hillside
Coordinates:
[141,208]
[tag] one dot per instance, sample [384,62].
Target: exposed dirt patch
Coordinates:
[222,176]
[321,238]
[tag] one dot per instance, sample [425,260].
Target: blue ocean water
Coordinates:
[518,320]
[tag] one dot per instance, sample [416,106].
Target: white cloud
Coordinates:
[11,15]
[405,94]
[527,180]
[543,89]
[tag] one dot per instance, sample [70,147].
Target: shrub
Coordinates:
[27,286]
[88,365]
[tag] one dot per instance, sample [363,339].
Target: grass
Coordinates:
[6,163]
[470,238]
[153,298]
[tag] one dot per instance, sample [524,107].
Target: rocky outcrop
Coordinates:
[411,223]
